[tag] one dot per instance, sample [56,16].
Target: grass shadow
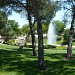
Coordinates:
[25,64]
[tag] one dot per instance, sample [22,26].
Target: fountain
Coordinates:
[51,34]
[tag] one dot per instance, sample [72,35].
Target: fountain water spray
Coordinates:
[52,34]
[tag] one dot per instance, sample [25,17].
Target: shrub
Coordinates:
[64,43]
[11,42]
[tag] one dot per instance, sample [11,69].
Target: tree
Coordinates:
[40,36]
[25,29]
[70,37]
[14,26]
[60,26]
[42,13]
[10,31]
[69,5]
[31,27]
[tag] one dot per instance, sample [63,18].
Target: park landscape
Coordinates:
[42,47]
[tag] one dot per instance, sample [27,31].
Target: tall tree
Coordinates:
[69,5]
[70,37]
[42,13]
[31,27]
[40,36]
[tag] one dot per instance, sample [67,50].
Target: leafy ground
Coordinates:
[15,63]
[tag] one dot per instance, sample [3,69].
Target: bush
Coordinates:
[64,43]
[11,42]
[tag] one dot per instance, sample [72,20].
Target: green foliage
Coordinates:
[16,5]
[44,27]
[13,25]
[3,19]
[73,43]
[25,29]
[11,42]
[60,26]
[11,30]
[66,34]
[47,9]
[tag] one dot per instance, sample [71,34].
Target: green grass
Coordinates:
[15,63]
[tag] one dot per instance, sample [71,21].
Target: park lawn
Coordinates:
[15,63]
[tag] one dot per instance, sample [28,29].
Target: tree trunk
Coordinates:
[40,45]
[31,29]
[40,37]
[69,49]
[32,35]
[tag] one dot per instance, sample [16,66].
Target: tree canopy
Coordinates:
[3,19]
